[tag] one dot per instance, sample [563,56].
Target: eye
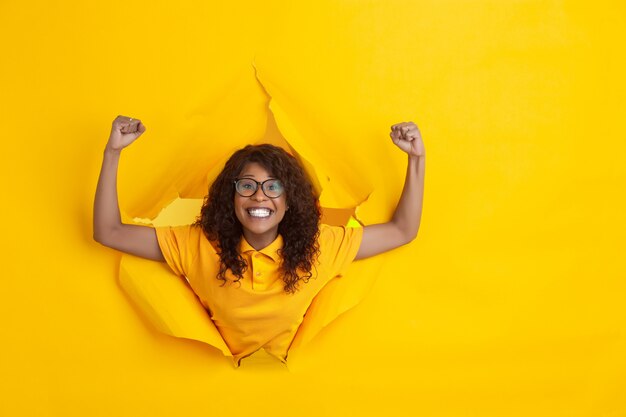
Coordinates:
[275,186]
[246,186]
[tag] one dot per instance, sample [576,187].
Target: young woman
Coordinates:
[257,255]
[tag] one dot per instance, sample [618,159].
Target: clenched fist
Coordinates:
[124,131]
[407,137]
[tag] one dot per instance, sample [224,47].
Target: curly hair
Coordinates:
[299,227]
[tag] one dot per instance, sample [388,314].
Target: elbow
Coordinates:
[98,233]
[99,237]
[414,234]
[407,234]
[103,237]
[408,238]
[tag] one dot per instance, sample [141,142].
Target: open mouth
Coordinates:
[259,213]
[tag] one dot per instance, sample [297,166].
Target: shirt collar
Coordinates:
[270,250]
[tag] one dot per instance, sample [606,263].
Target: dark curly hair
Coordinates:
[299,227]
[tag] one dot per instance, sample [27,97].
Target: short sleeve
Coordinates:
[174,244]
[339,246]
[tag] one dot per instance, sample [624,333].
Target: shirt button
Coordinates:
[258,274]
[257,255]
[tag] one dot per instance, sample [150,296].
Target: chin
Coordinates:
[258,229]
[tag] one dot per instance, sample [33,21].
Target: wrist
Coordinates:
[109,151]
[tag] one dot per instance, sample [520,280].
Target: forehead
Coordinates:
[255,170]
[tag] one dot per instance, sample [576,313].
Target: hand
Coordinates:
[407,137]
[125,130]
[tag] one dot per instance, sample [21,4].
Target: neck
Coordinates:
[259,242]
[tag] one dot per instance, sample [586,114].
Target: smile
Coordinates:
[259,212]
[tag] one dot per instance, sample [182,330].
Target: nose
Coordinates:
[258,195]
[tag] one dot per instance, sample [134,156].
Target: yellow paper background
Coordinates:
[511,301]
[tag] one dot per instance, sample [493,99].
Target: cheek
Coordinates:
[283,205]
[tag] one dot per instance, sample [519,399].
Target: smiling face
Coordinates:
[258,214]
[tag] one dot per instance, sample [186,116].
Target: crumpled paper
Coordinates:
[168,302]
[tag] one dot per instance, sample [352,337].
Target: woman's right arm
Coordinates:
[108,228]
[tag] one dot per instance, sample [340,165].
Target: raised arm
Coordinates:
[108,228]
[403,226]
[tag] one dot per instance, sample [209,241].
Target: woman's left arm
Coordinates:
[404,224]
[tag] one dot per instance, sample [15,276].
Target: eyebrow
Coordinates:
[252,176]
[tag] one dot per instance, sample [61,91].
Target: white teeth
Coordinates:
[259,212]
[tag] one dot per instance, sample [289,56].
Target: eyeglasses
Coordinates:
[247,187]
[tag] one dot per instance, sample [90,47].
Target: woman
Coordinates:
[257,255]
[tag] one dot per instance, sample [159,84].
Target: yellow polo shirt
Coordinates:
[255,312]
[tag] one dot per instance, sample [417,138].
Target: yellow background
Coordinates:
[509,303]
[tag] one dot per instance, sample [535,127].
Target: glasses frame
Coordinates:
[261,184]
